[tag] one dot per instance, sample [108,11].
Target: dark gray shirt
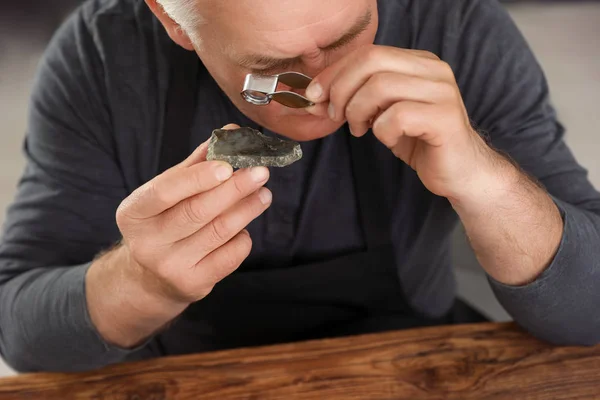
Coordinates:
[95,119]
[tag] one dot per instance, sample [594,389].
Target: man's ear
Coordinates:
[176,33]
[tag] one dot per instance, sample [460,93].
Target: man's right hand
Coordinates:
[183,232]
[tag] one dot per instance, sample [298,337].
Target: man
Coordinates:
[353,238]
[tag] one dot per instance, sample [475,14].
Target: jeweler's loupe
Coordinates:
[260,90]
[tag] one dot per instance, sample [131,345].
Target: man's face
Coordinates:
[272,36]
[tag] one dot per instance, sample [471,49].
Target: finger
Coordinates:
[319,88]
[426,122]
[352,77]
[190,284]
[339,84]
[386,88]
[353,70]
[405,150]
[221,263]
[196,212]
[173,186]
[219,231]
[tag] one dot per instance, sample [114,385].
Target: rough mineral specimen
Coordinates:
[247,147]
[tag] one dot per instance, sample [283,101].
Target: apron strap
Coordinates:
[180,107]
[370,190]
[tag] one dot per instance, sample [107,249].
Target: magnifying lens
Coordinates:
[260,90]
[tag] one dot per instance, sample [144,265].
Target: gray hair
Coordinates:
[184,13]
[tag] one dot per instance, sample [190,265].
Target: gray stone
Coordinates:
[247,147]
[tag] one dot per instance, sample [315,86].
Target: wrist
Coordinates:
[491,177]
[513,225]
[125,302]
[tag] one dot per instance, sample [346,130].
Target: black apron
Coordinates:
[358,293]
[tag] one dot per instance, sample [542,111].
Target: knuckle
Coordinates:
[229,263]
[245,244]
[125,212]
[198,176]
[219,232]
[402,122]
[355,115]
[193,212]
[445,68]
[335,91]
[239,252]
[447,90]
[398,116]
[428,54]
[238,187]
[372,54]
[153,190]
[351,111]
[383,135]
[380,82]
[387,140]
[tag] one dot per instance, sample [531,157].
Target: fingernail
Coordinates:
[259,174]
[314,91]
[223,172]
[265,196]
[331,111]
[230,126]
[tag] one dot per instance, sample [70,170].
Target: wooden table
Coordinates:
[483,361]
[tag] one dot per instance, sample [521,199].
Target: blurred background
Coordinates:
[565,35]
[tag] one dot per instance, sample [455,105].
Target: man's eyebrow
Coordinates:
[359,27]
[260,62]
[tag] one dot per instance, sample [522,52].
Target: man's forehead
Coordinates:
[337,36]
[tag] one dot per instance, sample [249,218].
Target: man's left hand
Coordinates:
[412,103]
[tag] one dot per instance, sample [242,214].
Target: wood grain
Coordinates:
[483,361]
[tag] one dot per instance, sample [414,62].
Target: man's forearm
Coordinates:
[512,224]
[76,318]
[45,323]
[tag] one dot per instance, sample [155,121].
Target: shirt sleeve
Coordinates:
[63,213]
[507,96]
